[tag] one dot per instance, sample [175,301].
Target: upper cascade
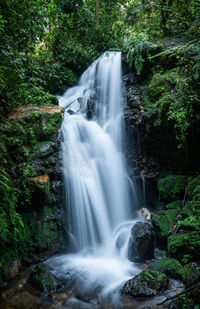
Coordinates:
[97,186]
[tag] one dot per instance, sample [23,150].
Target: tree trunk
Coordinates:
[97,13]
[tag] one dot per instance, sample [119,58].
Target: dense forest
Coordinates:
[45,46]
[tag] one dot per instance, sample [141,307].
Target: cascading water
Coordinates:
[98,189]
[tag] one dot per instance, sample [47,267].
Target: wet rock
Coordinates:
[46,149]
[191,274]
[170,266]
[147,283]
[159,254]
[14,268]
[57,186]
[172,304]
[42,278]
[141,242]
[144,213]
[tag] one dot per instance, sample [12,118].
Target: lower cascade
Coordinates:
[99,193]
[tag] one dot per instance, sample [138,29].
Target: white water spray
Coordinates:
[98,189]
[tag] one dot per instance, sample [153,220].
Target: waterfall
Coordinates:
[98,189]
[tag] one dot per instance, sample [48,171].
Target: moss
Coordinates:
[163,221]
[27,221]
[169,266]
[147,283]
[172,187]
[182,245]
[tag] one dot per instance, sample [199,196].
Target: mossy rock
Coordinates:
[147,283]
[175,205]
[29,164]
[172,187]
[42,278]
[191,274]
[180,245]
[192,185]
[163,222]
[8,257]
[170,266]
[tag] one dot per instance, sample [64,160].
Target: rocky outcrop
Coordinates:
[141,242]
[147,283]
[26,110]
[32,185]
[142,168]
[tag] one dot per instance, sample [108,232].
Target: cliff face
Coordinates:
[31,211]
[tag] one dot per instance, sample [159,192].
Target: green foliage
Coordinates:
[47,44]
[193,186]
[163,18]
[185,302]
[172,187]
[21,234]
[163,221]
[11,222]
[172,96]
[138,47]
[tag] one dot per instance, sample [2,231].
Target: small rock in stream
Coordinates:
[147,283]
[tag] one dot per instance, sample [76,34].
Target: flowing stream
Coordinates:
[99,193]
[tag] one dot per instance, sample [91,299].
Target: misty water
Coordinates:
[99,194]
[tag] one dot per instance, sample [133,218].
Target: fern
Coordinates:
[136,48]
[4,226]
[11,222]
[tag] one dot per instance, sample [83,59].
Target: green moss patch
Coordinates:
[163,221]
[172,187]
[169,266]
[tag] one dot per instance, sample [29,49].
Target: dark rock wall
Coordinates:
[143,168]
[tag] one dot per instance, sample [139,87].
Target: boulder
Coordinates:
[141,242]
[13,269]
[42,278]
[191,274]
[144,213]
[171,267]
[172,187]
[147,283]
